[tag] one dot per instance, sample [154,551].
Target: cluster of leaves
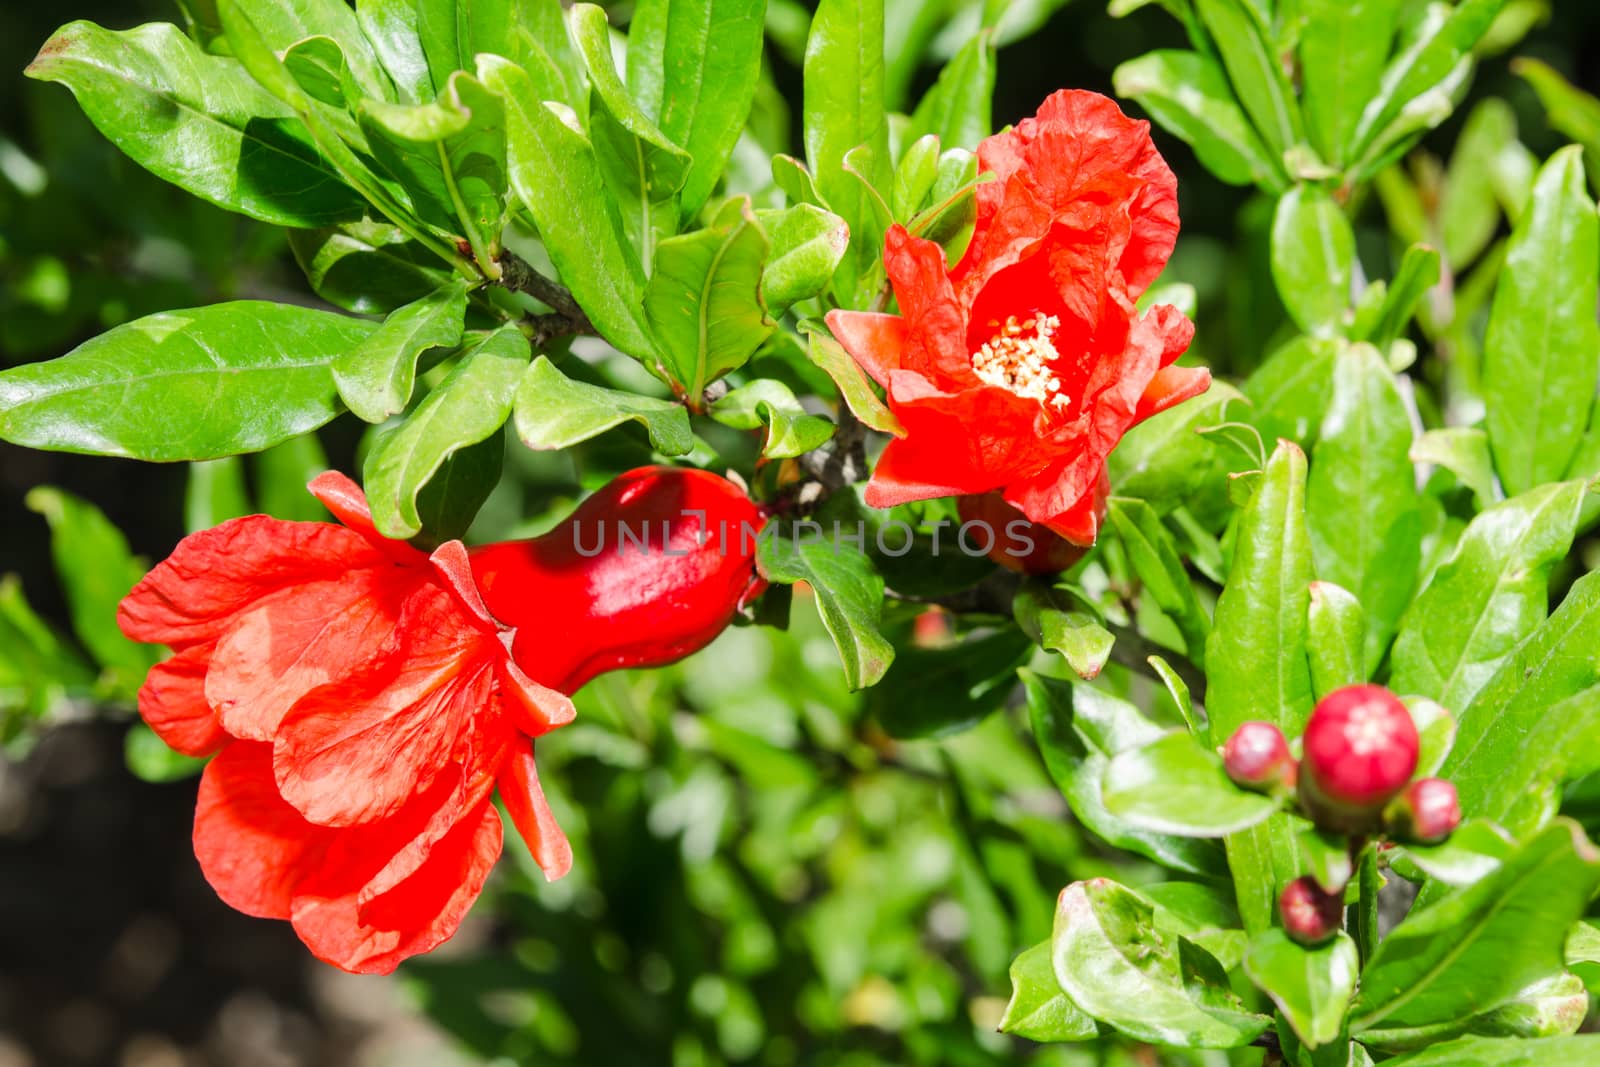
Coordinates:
[524,232]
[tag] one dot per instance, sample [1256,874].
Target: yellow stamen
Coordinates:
[1018,358]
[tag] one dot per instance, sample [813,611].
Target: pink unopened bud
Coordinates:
[1257,757]
[1311,914]
[1426,812]
[1360,751]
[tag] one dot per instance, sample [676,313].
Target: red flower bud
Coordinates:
[1426,812]
[648,569]
[1360,750]
[1311,914]
[1014,542]
[1257,757]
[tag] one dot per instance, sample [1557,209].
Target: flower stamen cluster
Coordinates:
[1018,359]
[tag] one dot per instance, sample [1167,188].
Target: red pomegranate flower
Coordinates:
[363,705]
[1022,367]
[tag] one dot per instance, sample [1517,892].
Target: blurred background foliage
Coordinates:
[763,876]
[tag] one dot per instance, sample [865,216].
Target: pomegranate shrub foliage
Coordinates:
[1221,697]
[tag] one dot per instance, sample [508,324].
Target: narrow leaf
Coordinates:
[554,411]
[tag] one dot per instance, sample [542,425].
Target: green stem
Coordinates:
[484,257]
[1364,923]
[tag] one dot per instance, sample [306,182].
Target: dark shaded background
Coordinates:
[112,948]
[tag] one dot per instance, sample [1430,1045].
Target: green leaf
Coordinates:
[1537,721]
[195,384]
[453,32]
[197,121]
[1443,42]
[1050,620]
[956,108]
[1256,662]
[1257,77]
[854,387]
[1486,598]
[1464,452]
[1174,786]
[471,403]
[1569,109]
[1480,946]
[693,65]
[1336,630]
[1311,986]
[1580,1051]
[1154,557]
[1327,858]
[1079,729]
[283,23]
[1344,46]
[369,269]
[554,411]
[766,401]
[1436,733]
[1164,459]
[703,300]
[556,176]
[1187,94]
[451,156]
[150,760]
[1362,507]
[1313,251]
[1117,964]
[1476,850]
[1469,206]
[1541,355]
[394,28]
[849,597]
[96,571]
[376,377]
[934,692]
[215,493]
[642,167]
[844,108]
[38,670]
[807,245]
[1038,1009]
[1289,392]
[450,500]
[1418,273]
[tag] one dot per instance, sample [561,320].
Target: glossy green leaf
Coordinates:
[1569,109]
[1537,721]
[394,29]
[641,165]
[1327,858]
[96,570]
[854,388]
[1117,964]
[197,121]
[693,65]
[1417,275]
[1436,733]
[453,32]
[1153,554]
[1038,1010]
[1475,851]
[1579,1051]
[1187,94]
[1551,1007]
[956,108]
[1256,662]
[556,175]
[282,23]
[703,300]
[807,245]
[150,760]
[1311,986]
[450,500]
[195,384]
[319,66]
[1289,392]
[1484,600]
[1443,41]
[1258,79]
[554,411]
[1344,46]
[1464,452]
[375,378]
[1174,786]
[914,176]
[215,493]
[1362,507]
[1164,459]
[1051,619]
[1541,355]
[1335,636]
[1481,945]
[1313,251]
[849,596]
[1079,729]
[1583,952]
[1469,205]
[768,402]
[472,402]
[369,269]
[843,109]
[935,692]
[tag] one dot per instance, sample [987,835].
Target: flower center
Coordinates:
[1018,358]
[1368,731]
